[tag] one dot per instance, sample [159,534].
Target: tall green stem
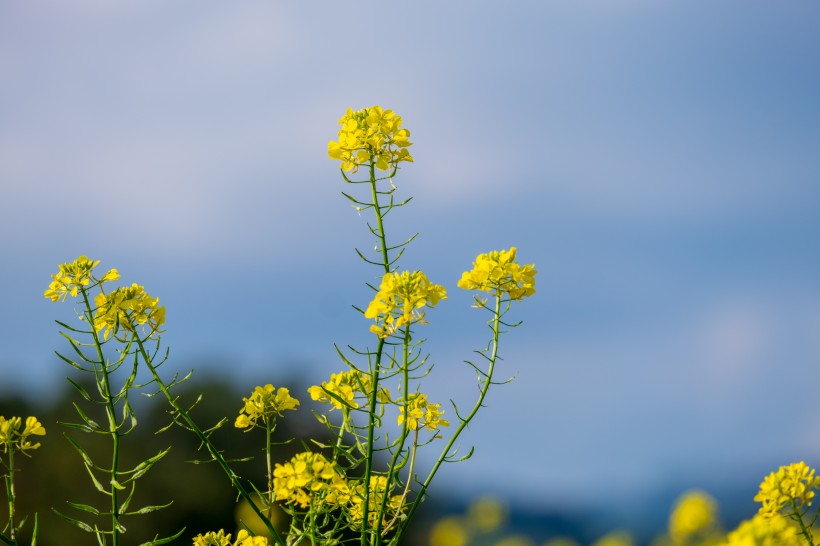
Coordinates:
[11,493]
[464,422]
[113,430]
[217,457]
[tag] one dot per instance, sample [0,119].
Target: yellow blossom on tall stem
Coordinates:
[126,307]
[309,479]
[400,300]
[497,272]
[370,135]
[791,487]
[265,404]
[74,275]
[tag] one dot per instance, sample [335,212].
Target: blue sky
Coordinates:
[657,160]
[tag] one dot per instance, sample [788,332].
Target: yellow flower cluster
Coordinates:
[378,486]
[422,413]
[126,307]
[72,276]
[342,389]
[763,530]
[309,476]
[219,538]
[791,486]
[694,514]
[370,135]
[399,301]
[497,272]
[264,403]
[15,437]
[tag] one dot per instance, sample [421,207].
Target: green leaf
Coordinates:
[81,524]
[158,541]
[149,509]
[84,507]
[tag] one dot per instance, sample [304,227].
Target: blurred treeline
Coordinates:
[202,496]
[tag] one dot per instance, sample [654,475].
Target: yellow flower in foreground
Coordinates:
[309,479]
[421,413]
[762,530]
[72,276]
[16,437]
[791,487]
[370,134]
[219,538]
[497,272]
[211,538]
[694,514]
[399,301]
[265,403]
[127,307]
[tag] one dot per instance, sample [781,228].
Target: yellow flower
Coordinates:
[72,276]
[498,273]
[370,134]
[791,487]
[211,538]
[378,484]
[449,531]
[309,479]
[399,300]
[127,307]
[244,539]
[342,389]
[694,514]
[762,530]
[15,437]
[265,403]
[422,413]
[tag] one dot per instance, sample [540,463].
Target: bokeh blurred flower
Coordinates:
[765,530]
[449,531]
[694,514]
[265,404]
[370,134]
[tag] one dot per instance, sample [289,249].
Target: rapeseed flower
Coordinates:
[399,301]
[497,272]
[265,404]
[343,387]
[219,538]
[309,479]
[370,135]
[791,487]
[763,530]
[72,276]
[695,514]
[125,308]
[378,486]
[16,437]
[419,412]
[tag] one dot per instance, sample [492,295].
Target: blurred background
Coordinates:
[657,161]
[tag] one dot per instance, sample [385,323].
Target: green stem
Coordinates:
[113,430]
[368,471]
[217,457]
[11,492]
[805,531]
[464,422]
